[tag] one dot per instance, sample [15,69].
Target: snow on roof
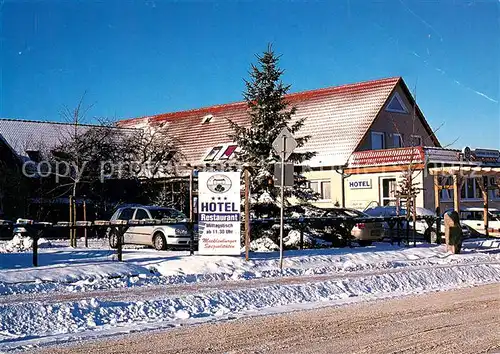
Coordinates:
[26,135]
[337,118]
[394,156]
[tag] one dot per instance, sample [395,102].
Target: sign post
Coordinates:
[219,213]
[283,145]
[247,213]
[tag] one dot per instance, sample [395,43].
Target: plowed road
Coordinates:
[460,321]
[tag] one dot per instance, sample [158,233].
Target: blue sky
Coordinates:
[136,58]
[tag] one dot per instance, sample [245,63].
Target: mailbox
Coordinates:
[452,232]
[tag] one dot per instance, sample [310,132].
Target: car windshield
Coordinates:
[166,213]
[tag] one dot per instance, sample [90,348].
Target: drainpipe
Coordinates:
[343,176]
[343,188]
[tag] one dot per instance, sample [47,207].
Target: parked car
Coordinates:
[19,230]
[364,233]
[422,226]
[473,217]
[160,237]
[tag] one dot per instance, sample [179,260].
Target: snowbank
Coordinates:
[77,270]
[345,275]
[67,319]
[22,244]
[310,240]
[263,244]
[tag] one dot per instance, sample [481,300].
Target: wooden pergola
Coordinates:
[458,174]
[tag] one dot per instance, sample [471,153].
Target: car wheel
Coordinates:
[113,239]
[159,242]
[364,243]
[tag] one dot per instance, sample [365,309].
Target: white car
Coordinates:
[474,218]
[175,234]
[422,226]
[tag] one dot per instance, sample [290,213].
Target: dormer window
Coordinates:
[228,152]
[396,104]
[213,152]
[206,119]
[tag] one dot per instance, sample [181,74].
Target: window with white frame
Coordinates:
[416,140]
[378,141]
[213,153]
[323,188]
[397,140]
[494,193]
[396,104]
[447,191]
[207,119]
[470,189]
[388,191]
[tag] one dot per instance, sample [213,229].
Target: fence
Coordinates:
[398,227]
[36,231]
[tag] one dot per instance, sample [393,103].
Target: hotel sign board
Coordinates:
[219,213]
[360,184]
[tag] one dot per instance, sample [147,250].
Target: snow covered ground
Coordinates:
[75,293]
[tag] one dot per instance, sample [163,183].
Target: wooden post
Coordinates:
[35,246]
[191,212]
[408,216]
[456,194]
[247,212]
[119,250]
[437,204]
[391,234]
[85,219]
[484,189]
[437,199]
[70,203]
[414,212]
[74,223]
[398,221]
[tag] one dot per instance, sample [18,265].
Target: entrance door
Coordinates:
[388,191]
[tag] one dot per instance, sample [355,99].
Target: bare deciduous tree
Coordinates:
[154,149]
[156,155]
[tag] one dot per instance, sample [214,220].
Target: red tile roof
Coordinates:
[336,118]
[396,156]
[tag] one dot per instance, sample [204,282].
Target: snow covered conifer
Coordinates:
[269,112]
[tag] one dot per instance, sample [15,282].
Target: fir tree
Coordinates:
[269,112]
